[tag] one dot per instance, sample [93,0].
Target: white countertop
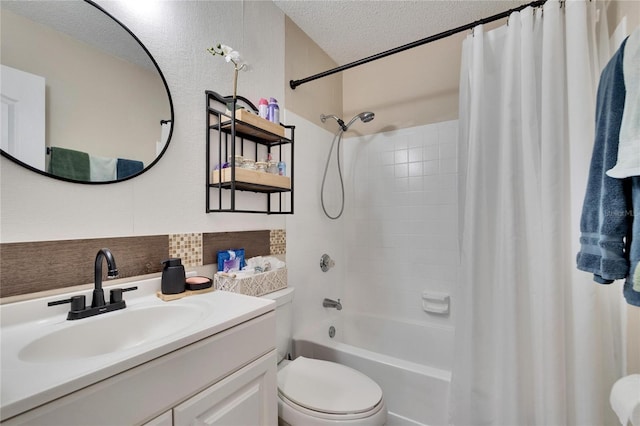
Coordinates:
[27,384]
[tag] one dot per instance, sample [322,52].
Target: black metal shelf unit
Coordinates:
[236,137]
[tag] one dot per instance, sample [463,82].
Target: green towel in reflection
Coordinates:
[69,164]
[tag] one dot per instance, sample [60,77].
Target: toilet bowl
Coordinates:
[313,392]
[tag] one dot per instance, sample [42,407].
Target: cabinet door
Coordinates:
[165,419]
[247,397]
[23,116]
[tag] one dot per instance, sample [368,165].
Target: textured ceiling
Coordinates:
[348,30]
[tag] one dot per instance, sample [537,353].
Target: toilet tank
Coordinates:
[284,320]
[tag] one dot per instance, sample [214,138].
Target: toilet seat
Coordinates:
[328,389]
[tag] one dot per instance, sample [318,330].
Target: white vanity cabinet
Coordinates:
[227,378]
[165,419]
[244,398]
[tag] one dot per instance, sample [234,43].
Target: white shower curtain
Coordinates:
[537,342]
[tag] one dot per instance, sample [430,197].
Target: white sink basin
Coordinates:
[110,332]
[44,356]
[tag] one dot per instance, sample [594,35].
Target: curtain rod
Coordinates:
[295,83]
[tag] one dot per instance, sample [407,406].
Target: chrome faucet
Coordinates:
[328,303]
[98,294]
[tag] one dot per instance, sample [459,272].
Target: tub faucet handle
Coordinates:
[326,262]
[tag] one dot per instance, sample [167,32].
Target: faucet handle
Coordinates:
[59,302]
[115,295]
[78,303]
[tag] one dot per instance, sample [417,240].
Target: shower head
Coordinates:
[366,117]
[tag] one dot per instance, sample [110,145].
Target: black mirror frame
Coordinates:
[172,120]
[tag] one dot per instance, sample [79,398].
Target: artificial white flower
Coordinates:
[229,55]
[232,56]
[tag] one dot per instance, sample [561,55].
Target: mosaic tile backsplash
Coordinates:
[187,247]
[278,241]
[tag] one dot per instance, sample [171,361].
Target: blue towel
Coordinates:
[607,211]
[126,168]
[631,293]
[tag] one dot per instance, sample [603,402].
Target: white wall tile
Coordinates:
[401,142]
[409,242]
[448,165]
[401,170]
[431,167]
[415,154]
[447,150]
[431,152]
[415,169]
[401,156]
[398,235]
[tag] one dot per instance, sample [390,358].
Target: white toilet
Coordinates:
[313,392]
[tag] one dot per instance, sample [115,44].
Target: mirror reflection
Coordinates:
[82,100]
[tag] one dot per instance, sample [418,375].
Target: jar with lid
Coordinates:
[235,162]
[272,167]
[261,166]
[248,163]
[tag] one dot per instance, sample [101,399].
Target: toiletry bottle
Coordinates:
[262,108]
[173,276]
[273,111]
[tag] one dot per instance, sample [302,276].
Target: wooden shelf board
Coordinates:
[251,180]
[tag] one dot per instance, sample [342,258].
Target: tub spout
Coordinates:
[328,303]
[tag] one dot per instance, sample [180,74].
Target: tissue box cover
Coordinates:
[254,285]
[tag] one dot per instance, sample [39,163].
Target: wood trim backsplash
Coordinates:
[254,243]
[47,265]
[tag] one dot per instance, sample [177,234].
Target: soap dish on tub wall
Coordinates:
[436,302]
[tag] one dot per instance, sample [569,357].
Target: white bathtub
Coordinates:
[410,361]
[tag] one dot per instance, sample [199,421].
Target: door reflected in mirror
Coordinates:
[82,99]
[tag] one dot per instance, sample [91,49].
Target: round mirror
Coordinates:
[82,98]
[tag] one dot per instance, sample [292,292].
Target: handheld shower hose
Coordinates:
[365,117]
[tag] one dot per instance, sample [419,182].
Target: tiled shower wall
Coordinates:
[402,221]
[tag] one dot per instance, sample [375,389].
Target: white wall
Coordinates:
[169,198]
[310,233]
[401,226]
